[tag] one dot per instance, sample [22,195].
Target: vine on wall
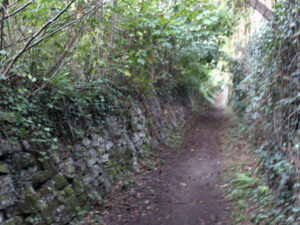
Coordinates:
[266,87]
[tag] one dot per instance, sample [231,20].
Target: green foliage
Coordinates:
[250,191]
[266,96]
[74,76]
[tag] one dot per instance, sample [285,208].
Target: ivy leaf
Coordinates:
[141,61]
[18,117]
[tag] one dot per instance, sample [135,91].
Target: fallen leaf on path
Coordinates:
[183,184]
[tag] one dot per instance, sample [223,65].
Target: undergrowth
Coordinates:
[266,99]
[252,200]
[73,80]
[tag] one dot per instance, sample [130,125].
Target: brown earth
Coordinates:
[182,187]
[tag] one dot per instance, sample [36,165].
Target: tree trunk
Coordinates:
[113,25]
[263,9]
[112,36]
[3,8]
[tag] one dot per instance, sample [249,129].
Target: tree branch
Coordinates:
[4,71]
[65,26]
[261,8]
[15,12]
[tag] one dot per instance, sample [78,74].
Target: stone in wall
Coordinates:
[7,192]
[9,147]
[35,191]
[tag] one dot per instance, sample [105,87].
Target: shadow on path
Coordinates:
[190,193]
[185,190]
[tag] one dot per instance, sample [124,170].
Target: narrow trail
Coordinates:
[185,190]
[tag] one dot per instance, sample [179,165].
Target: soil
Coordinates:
[183,187]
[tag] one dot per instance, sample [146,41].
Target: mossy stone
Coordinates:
[49,211]
[23,160]
[113,171]
[83,198]
[60,181]
[18,220]
[46,192]
[12,211]
[69,168]
[30,203]
[61,195]
[4,169]
[78,187]
[7,200]
[69,191]
[72,202]
[42,176]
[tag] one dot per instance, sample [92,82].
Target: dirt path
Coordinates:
[185,189]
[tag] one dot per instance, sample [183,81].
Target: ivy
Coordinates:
[98,56]
[266,98]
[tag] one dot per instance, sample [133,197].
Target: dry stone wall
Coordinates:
[56,188]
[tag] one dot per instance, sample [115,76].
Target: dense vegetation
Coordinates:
[266,96]
[67,64]
[77,80]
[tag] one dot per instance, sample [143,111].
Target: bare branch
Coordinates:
[60,59]
[4,72]
[17,11]
[62,26]
[65,26]
[12,4]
